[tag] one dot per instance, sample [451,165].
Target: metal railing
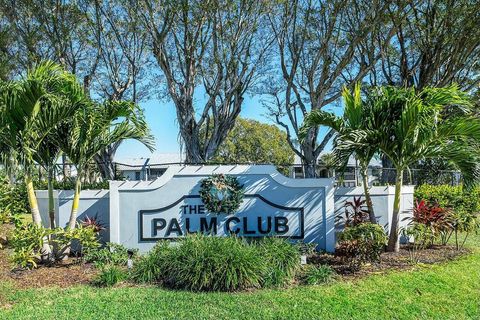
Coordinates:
[350,178]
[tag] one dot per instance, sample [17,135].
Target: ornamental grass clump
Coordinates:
[282,258]
[152,267]
[203,263]
[316,274]
[110,275]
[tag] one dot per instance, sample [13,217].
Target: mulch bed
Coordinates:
[65,274]
[74,272]
[390,260]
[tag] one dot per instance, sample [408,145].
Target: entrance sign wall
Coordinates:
[138,213]
[142,212]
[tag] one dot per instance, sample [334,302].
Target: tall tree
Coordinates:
[251,141]
[357,115]
[436,43]
[321,45]
[211,47]
[124,62]
[92,129]
[410,125]
[99,41]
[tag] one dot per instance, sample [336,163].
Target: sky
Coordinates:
[162,120]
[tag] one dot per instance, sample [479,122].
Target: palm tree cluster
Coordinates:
[407,126]
[47,114]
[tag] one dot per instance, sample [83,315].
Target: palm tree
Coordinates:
[356,116]
[93,129]
[329,162]
[31,110]
[409,126]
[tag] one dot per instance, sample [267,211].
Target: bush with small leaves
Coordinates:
[362,243]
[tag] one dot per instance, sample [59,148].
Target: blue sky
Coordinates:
[162,120]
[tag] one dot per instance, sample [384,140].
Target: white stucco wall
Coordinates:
[118,208]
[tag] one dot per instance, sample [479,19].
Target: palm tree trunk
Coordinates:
[393,240]
[46,252]
[76,199]
[32,200]
[64,167]
[368,198]
[51,201]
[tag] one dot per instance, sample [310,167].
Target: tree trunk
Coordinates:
[76,199]
[105,162]
[46,252]
[393,240]
[309,162]
[368,198]
[51,201]
[387,175]
[32,200]
[64,167]
[192,149]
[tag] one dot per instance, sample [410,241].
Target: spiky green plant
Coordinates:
[409,126]
[95,127]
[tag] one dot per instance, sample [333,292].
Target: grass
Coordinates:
[445,291]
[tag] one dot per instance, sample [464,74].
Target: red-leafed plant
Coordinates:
[356,212]
[93,223]
[437,220]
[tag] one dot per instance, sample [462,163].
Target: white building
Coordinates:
[144,169]
[136,169]
[351,176]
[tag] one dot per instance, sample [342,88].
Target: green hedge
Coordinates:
[13,201]
[455,197]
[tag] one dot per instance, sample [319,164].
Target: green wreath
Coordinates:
[221,193]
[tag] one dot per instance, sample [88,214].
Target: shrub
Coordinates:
[456,198]
[437,220]
[421,235]
[356,212]
[94,223]
[24,258]
[203,263]
[112,253]
[282,259]
[149,268]
[315,275]
[69,184]
[362,243]
[13,202]
[465,222]
[110,275]
[28,242]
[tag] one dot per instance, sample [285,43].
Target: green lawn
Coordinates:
[447,291]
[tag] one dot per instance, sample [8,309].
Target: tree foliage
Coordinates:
[409,125]
[321,45]
[213,46]
[251,141]
[436,43]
